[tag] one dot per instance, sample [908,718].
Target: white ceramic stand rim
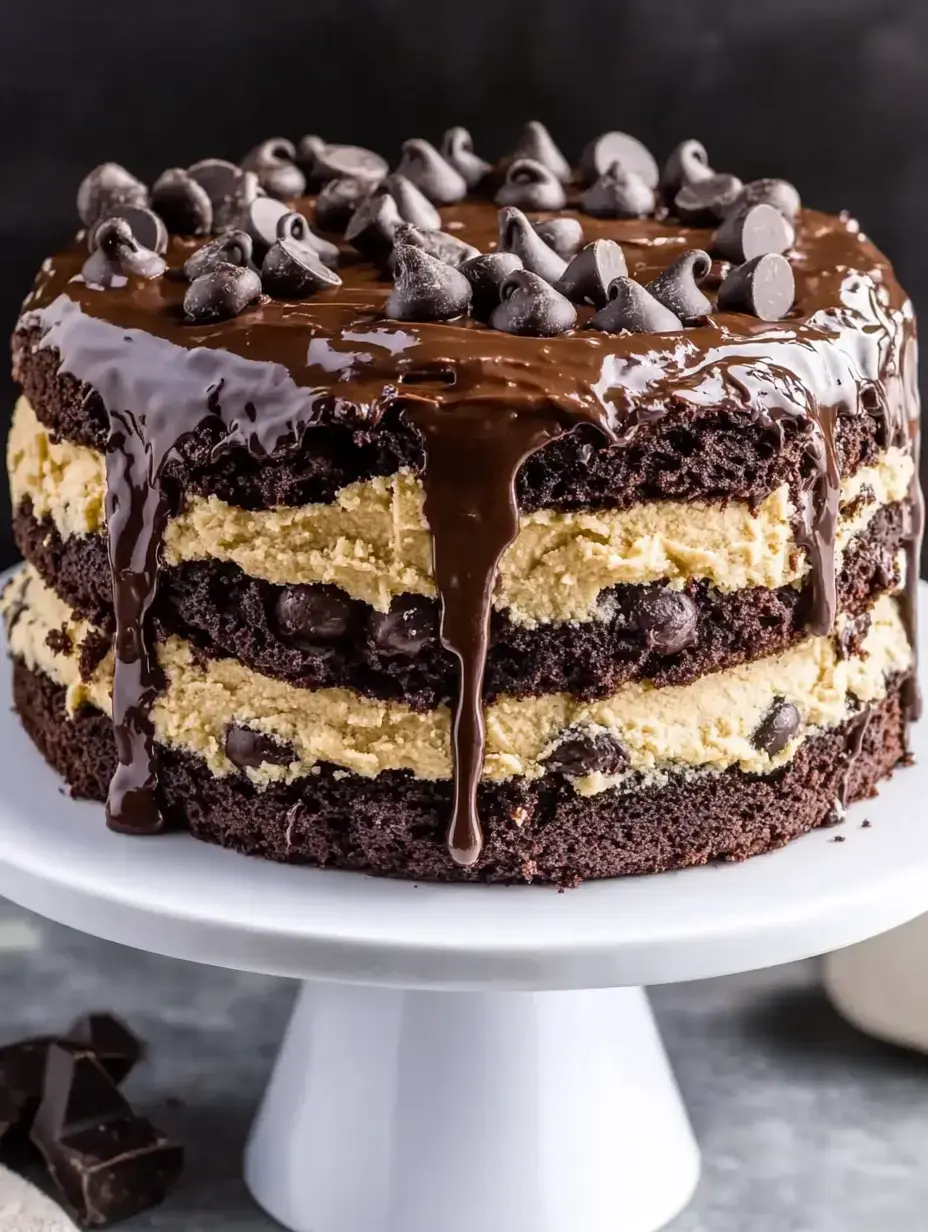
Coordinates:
[449,1085]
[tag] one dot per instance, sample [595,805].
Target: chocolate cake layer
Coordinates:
[226,613]
[539,831]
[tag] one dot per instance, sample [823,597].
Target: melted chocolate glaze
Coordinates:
[483,402]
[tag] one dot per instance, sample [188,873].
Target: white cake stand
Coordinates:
[464,1059]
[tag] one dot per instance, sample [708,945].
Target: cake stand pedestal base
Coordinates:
[410,1111]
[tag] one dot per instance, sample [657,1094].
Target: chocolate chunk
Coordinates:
[619,194]
[293,226]
[248,749]
[233,248]
[292,270]
[22,1069]
[486,274]
[782,195]
[531,186]
[145,225]
[751,232]
[116,252]
[457,148]
[668,620]
[764,287]
[413,205]
[372,226]
[338,201]
[537,143]
[425,288]
[274,163]
[259,220]
[530,305]
[440,244]
[688,164]
[407,628]
[677,287]
[605,151]
[313,616]
[323,161]
[229,188]
[588,277]
[221,294]
[777,728]
[632,307]
[105,188]
[108,1163]
[116,1047]
[704,202]
[182,203]
[516,234]
[564,235]
[588,753]
[431,173]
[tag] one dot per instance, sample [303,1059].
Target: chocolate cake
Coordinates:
[510,521]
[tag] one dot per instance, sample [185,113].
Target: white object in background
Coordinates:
[447,1067]
[24,1209]
[881,985]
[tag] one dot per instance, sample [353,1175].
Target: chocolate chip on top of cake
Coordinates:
[466,520]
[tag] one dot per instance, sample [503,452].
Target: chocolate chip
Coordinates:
[564,235]
[751,232]
[605,151]
[221,294]
[688,164]
[457,148]
[291,270]
[324,161]
[145,225]
[116,1047]
[516,234]
[337,201]
[782,195]
[531,186]
[588,753]
[259,220]
[229,188]
[233,248]
[764,287]
[677,287]
[619,194]
[107,1162]
[632,307]
[313,616]
[405,630]
[117,251]
[777,728]
[704,202]
[274,163]
[413,205]
[589,275]
[425,289]
[22,1069]
[430,173]
[440,244]
[667,619]
[293,226]
[530,305]
[486,274]
[537,143]
[248,749]
[106,187]
[372,226]
[182,203]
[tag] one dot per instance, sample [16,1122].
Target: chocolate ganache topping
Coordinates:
[261,371]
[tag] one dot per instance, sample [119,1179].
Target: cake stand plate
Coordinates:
[464,1058]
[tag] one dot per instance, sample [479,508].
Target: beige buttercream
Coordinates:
[705,725]
[374,543]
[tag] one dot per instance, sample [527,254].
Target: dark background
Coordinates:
[832,94]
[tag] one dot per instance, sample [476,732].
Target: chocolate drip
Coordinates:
[819,525]
[856,733]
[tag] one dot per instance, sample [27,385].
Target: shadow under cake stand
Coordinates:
[464,1058]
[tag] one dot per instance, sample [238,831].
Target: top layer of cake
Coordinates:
[295,396]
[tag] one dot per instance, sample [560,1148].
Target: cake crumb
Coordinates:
[838,838]
[866,824]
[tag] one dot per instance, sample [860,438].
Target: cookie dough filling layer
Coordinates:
[373,541]
[236,720]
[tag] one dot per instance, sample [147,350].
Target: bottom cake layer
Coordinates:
[539,830]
